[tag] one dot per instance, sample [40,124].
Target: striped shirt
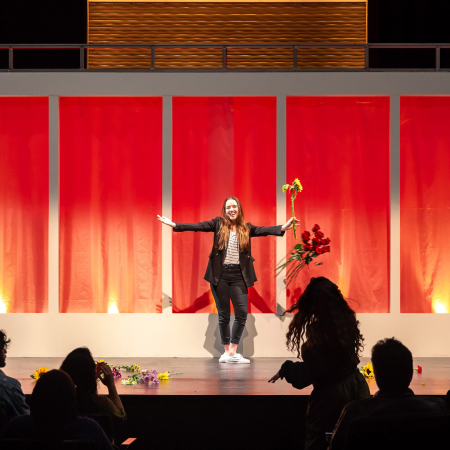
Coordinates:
[232,249]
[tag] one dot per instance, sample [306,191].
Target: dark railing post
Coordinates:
[224,58]
[82,66]
[366,56]
[438,57]
[10,58]
[152,57]
[295,57]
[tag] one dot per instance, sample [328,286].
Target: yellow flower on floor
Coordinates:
[136,368]
[164,376]
[36,375]
[297,185]
[367,371]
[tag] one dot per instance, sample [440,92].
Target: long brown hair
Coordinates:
[324,322]
[242,229]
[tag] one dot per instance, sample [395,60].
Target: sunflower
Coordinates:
[36,375]
[297,185]
[163,376]
[367,371]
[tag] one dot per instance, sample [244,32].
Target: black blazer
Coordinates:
[216,257]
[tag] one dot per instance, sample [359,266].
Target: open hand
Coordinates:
[289,224]
[166,221]
[275,378]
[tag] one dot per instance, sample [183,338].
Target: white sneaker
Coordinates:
[224,358]
[237,359]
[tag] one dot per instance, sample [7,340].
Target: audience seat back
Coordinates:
[427,431]
[105,422]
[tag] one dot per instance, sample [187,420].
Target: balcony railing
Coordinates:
[224,51]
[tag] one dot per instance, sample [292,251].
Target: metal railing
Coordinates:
[295,47]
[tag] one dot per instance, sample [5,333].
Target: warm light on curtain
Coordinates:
[110,194]
[339,148]
[24,204]
[425,204]
[222,146]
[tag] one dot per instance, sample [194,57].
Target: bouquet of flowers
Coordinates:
[293,189]
[131,368]
[148,377]
[304,254]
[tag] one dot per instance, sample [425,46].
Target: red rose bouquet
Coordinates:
[302,255]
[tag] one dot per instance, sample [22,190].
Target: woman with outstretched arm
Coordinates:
[230,270]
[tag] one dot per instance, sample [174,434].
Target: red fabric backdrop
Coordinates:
[110,194]
[24,204]
[339,148]
[222,146]
[425,204]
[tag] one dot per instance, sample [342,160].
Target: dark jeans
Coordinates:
[231,286]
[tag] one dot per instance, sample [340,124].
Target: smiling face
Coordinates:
[232,209]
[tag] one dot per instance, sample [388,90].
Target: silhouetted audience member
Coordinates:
[12,399]
[393,368]
[81,367]
[325,332]
[54,415]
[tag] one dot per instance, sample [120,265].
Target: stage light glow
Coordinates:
[113,309]
[439,307]
[3,306]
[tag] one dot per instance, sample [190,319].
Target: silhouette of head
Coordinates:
[4,344]
[53,401]
[392,364]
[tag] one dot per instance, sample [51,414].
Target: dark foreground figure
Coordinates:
[325,333]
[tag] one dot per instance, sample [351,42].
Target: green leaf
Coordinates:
[299,247]
[285,188]
[318,264]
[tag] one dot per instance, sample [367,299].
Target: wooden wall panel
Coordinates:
[219,23]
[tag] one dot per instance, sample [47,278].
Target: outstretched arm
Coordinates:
[166,221]
[208,226]
[278,230]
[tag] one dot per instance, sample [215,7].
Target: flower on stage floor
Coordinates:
[116,372]
[36,375]
[367,371]
[418,369]
[303,254]
[164,376]
[293,189]
[129,381]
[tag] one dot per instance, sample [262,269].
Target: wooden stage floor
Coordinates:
[205,376]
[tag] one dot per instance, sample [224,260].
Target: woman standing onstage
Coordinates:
[230,270]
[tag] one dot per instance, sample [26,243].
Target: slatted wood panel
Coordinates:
[125,22]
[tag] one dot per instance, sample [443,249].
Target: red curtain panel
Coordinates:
[339,148]
[24,204]
[222,146]
[425,204]
[110,194]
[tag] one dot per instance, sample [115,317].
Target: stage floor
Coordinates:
[205,376]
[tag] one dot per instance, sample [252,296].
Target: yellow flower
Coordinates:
[297,185]
[367,371]
[36,375]
[102,360]
[163,376]
[136,368]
